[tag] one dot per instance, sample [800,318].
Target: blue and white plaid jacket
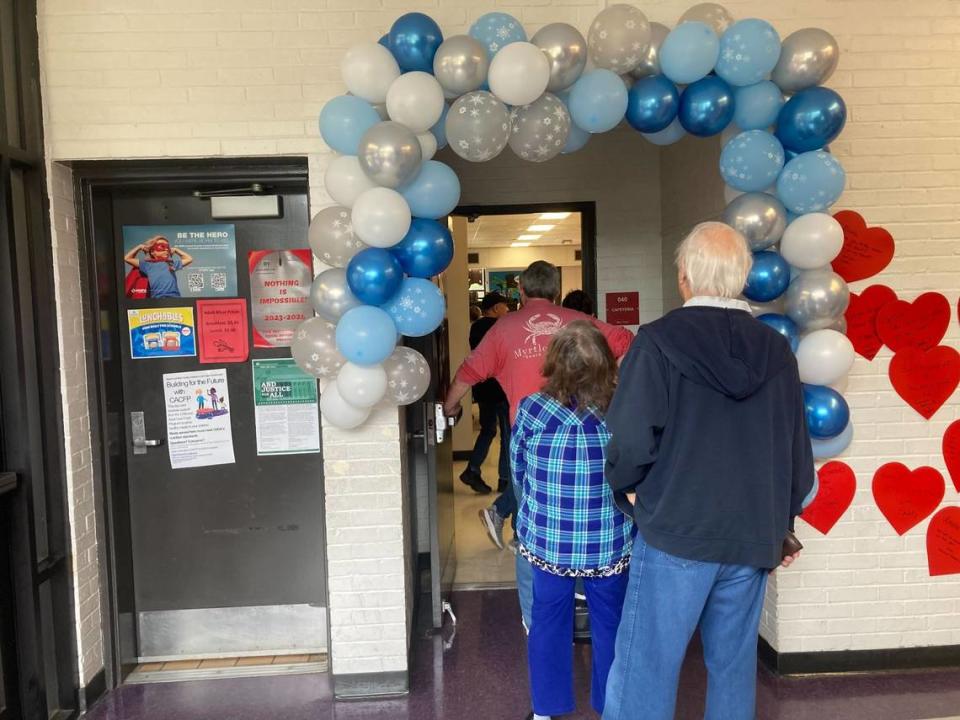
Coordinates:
[566,516]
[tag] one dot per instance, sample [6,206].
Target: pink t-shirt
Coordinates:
[514,349]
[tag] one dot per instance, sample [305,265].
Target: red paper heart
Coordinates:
[838,485]
[951,452]
[925,378]
[861,316]
[920,324]
[865,252]
[943,542]
[905,496]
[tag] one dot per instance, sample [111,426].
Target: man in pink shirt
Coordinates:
[512,352]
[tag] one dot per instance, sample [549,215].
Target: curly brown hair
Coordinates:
[580,369]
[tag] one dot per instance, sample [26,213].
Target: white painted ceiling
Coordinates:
[503,230]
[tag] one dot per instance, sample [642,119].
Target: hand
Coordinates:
[632,498]
[789,560]
[452,410]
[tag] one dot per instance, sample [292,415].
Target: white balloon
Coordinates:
[415,99]
[824,357]
[362,386]
[368,70]
[428,145]
[345,180]
[519,73]
[338,412]
[812,241]
[381,217]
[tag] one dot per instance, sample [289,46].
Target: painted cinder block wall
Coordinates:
[201,78]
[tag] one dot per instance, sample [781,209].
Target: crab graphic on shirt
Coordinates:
[537,327]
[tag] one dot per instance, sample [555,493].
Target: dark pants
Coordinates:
[492,416]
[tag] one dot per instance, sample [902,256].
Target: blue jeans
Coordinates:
[667,599]
[525,589]
[492,416]
[550,645]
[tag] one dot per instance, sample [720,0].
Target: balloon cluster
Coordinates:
[414,92]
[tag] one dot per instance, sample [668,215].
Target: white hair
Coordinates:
[715,260]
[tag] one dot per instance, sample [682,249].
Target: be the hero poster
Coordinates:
[170,261]
[279,294]
[162,333]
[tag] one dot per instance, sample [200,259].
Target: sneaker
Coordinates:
[493,524]
[473,480]
[502,485]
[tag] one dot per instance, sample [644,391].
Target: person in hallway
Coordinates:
[579,300]
[568,525]
[513,351]
[475,313]
[710,453]
[494,411]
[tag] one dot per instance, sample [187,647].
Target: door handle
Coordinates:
[139,435]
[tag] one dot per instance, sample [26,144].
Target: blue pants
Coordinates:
[493,415]
[667,599]
[550,645]
[525,589]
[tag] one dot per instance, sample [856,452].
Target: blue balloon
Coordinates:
[440,129]
[344,120]
[812,495]
[811,182]
[783,325]
[751,161]
[575,140]
[811,119]
[668,136]
[749,50]
[827,412]
[831,447]
[414,39]
[385,40]
[598,100]
[496,30]
[426,250]
[689,52]
[418,308]
[769,277]
[433,192]
[366,335]
[706,106]
[652,104]
[374,275]
[757,106]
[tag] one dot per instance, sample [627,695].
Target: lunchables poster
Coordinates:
[162,333]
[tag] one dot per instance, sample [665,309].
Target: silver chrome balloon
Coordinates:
[618,38]
[460,65]
[759,217]
[650,64]
[566,49]
[816,299]
[478,126]
[330,295]
[314,348]
[389,154]
[808,57]
[713,15]
[331,236]
[539,131]
[408,376]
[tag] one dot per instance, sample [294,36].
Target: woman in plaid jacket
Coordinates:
[567,523]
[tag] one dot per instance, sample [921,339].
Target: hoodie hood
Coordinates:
[727,350]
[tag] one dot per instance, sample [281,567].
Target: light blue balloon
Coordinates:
[496,30]
[598,101]
[831,447]
[434,192]
[812,495]
[575,140]
[440,130]
[668,136]
[811,182]
[343,121]
[366,335]
[751,161]
[749,50]
[757,106]
[689,52]
[417,309]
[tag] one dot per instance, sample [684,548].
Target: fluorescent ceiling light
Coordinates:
[519,244]
[554,216]
[541,228]
[527,237]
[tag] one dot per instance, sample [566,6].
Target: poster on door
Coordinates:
[279,294]
[199,433]
[286,407]
[222,330]
[170,261]
[162,333]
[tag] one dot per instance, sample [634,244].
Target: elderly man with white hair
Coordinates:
[710,455]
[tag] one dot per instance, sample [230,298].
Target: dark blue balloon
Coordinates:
[374,276]
[652,104]
[769,277]
[827,412]
[385,40]
[706,106]
[426,250]
[783,325]
[811,119]
[414,39]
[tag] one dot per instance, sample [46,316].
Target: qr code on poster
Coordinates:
[218,281]
[195,282]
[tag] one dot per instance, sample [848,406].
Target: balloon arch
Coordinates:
[545,96]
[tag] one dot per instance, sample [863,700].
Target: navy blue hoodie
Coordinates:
[710,432]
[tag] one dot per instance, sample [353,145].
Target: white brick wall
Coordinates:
[145,78]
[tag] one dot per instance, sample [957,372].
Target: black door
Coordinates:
[9,707]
